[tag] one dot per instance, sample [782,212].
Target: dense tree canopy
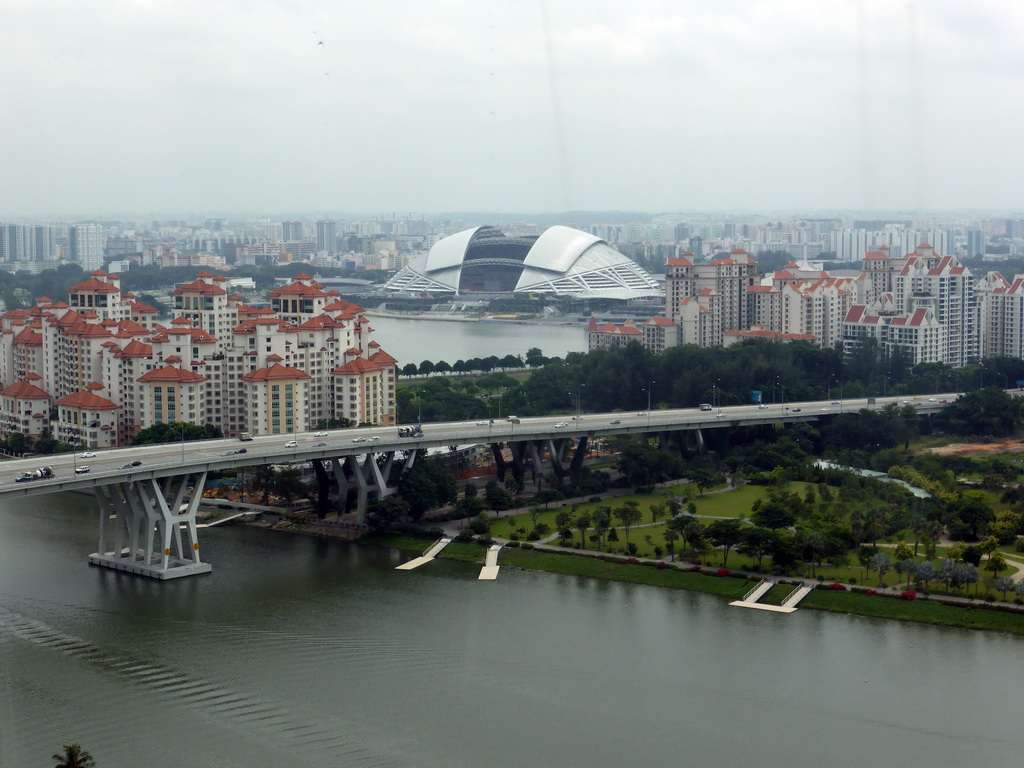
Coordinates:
[176,433]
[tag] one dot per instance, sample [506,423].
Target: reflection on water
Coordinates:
[412,341]
[305,652]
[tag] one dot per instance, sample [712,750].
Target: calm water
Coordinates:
[302,652]
[412,341]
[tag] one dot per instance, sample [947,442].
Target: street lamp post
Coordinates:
[649,388]
[716,395]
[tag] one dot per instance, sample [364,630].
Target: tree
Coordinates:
[702,478]
[176,433]
[725,534]
[582,523]
[755,542]
[926,571]
[657,512]
[288,483]
[972,510]
[995,563]
[907,566]
[497,497]
[74,757]
[773,514]
[628,514]
[882,564]
[426,486]
[903,551]
[563,522]
[1004,584]
[602,520]
[671,536]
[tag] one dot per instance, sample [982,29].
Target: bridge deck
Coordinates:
[170,459]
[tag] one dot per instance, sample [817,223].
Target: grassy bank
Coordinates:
[925,611]
[594,568]
[859,603]
[469,552]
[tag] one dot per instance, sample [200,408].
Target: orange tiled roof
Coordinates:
[276,372]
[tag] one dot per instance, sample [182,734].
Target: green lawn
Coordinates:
[927,611]
[592,567]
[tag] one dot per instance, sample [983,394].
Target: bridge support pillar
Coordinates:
[577,458]
[145,518]
[365,477]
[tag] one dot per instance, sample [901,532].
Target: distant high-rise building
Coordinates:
[291,230]
[975,243]
[85,245]
[327,236]
[696,246]
[275,232]
[29,242]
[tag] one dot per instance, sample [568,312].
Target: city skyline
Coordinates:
[773,105]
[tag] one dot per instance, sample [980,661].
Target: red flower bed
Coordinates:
[631,561]
[908,594]
[722,571]
[661,565]
[836,585]
[872,591]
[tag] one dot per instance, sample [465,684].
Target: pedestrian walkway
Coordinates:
[761,589]
[490,570]
[427,556]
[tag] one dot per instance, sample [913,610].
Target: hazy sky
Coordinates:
[150,106]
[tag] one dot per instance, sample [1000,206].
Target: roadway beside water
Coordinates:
[300,651]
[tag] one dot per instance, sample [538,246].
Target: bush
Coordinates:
[512,544]
[524,545]
[631,561]
[836,586]
[464,535]
[722,572]
[594,499]
[908,594]
[513,536]
[661,565]
[484,541]
[872,591]
[533,536]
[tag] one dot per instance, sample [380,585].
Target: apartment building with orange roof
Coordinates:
[217,361]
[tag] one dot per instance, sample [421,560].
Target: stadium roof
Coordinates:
[561,261]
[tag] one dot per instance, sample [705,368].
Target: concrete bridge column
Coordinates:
[577,458]
[499,461]
[556,457]
[535,460]
[150,513]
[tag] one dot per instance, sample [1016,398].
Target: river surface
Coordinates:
[298,652]
[413,341]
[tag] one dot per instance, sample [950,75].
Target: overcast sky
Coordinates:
[177,106]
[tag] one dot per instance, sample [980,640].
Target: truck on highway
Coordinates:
[245,436]
[414,430]
[706,407]
[43,473]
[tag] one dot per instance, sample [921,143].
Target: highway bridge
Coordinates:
[148,495]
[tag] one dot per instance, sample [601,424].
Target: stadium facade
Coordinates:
[561,261]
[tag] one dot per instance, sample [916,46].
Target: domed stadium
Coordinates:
[561,261]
